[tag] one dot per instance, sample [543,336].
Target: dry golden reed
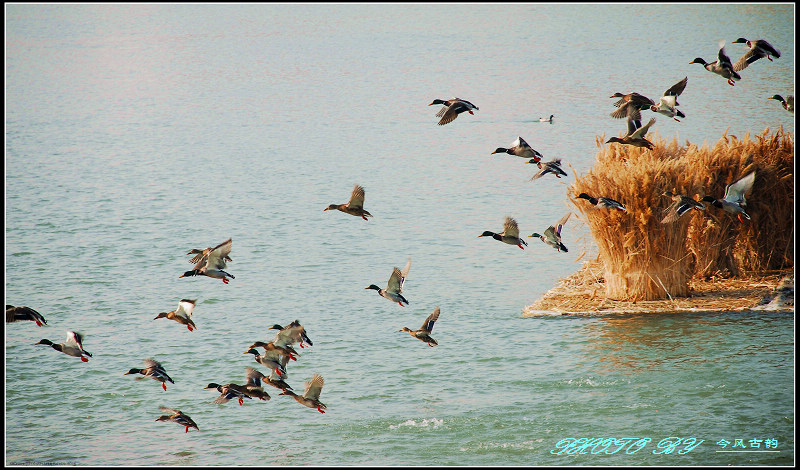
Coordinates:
[647,260]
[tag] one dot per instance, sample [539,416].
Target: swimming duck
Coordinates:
[311,396]
[228,392]
[424,333]
[23,313]
[213,263]
[553,166]
[154,370]
[177,416]
[355,206]
[270,359]
[73,346]
[722,66]
[669,101]
[520,148]
[636,138]
[552,236]
[287,350]
[181,314]
[758,49]
[681,204]
[452,108]
[510,234]
[550,119]
[293,333]
[734,201]
[394,287]
[603,202]
[253,386]
[788,103]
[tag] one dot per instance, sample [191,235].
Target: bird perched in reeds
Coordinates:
[452,108]
[177,416]
[603,202]
[311,396]
[73,346]
[759,48]
[291,334]
[681,204]
[552,236]
[553,166]
[520,148]
[181,314]
[228,392]
[722,66]
[23,313]
[424,333]
[154,370]
[353,207]
[213,263]
[788,103]
[253,386]
[550,119]
[394,287]
[509,235]
[668,102]
[636,138]
[734,201]
[270,359]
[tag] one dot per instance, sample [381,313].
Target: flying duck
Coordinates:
[552,236]
[22,313]
[758,49]
[270,360]
[355,206]
[154,370]
[181,314]
[603,202]
[553,166]
[722,66]
[177,416]
[509,235]
[311,396]
[636,138]
[213,263]
[680,205]
[73,346]
[394,287]
[424,333]
[788,103]
[293,333]
[452,108]
[520,148]
[734,201]
[669,101]
[253,386]
[228,392]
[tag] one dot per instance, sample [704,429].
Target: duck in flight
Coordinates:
[452,108]
[355,206]
[394,287]
[509,235]
[213,263]
[552,236]
[424,333]
[734,201]
[73,346]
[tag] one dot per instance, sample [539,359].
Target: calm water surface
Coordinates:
[137,132]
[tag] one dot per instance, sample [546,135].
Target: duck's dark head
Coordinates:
[740,41]
[133,371]
[585,196]
[487,233]
[213,385]
[251,351]
[501,150]
[436,101]
[373,286]
[193,272]
[275,327]
[698,60]
[776,97]
[47,342]
[534,160]
[617,95]
[161,315]
[405,328]
[331,207]
[615,139]
[535,235]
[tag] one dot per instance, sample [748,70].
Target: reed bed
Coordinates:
[644,259]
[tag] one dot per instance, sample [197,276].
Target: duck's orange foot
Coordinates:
[301,346]
[400,304]
[225,280]
[278,372]
[190,327]
[187,428]
[741,219]
[520,247]
[84,359]
[38,323]
[676,119]
[429,344]
[240,401]
[770,58]
[363,217]
[730,82]
[164,386]
[320,410]
[470,111]
[292,358]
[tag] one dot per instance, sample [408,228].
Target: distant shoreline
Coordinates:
[583,293]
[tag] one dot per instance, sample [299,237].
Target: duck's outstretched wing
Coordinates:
[428,324]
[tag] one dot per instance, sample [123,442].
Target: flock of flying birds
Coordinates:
[212,262]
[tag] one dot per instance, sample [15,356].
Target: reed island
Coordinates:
[706,260]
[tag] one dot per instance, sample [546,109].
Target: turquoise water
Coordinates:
[137,132]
